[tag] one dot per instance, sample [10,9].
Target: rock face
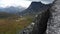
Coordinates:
[54,27]
[41,23]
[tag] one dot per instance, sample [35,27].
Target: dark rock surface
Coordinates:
[41,23]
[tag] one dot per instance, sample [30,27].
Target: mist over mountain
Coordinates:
[35,8]
[12,9]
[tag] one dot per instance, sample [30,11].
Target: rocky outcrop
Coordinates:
[54,27]
[46,21]
[39,25]
[40,22]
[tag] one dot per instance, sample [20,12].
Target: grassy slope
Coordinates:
[11,25]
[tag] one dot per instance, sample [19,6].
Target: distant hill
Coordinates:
[12,9]
[7,15]
[35,8]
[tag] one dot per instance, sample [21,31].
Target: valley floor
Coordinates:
[12,25]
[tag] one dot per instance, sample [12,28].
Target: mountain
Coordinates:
[35,8]
[12,9]
[7,15]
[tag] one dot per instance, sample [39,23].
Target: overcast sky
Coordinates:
[23,3]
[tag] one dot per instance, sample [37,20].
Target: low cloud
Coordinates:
[43,1]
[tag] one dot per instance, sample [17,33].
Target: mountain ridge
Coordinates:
[35,8]
[12,9]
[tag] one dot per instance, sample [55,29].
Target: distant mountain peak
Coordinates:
[12,9]
[38,5]
[35,8]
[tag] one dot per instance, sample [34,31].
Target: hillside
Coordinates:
[11,23]
[35,8]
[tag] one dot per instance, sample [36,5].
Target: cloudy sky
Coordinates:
[23,3]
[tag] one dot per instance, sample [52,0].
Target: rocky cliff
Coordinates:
[54,27]
[42,21]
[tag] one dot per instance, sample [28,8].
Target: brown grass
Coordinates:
[12,25]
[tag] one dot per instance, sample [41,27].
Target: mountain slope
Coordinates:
[35,8]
